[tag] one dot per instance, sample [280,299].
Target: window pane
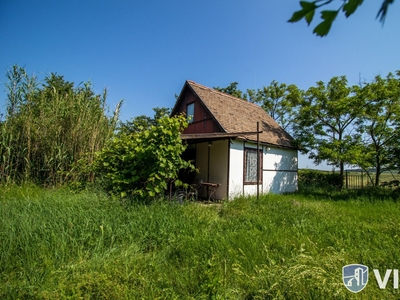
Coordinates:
[251,166]
[190,113]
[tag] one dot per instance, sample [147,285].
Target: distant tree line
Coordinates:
[338,123]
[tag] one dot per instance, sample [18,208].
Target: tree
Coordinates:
[278,100]
[143,163]
[325,118]
[232,90]
[143,122]
[308,9]
[380,125]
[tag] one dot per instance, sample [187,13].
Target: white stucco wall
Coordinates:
[279,170]
[236,169]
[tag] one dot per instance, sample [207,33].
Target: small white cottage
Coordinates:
[222,141]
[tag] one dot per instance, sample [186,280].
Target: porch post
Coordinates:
[258,161]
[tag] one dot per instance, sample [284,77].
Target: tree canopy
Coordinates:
[336,123]
[233,90]
[379,125]
[278,100]
[143,122]
[325,118]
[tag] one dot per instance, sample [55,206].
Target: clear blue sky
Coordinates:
[143,51]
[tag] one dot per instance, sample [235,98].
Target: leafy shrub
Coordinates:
[320,179]
[143,163]
[391,184]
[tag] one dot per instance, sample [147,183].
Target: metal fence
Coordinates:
[356,180]
[360,179]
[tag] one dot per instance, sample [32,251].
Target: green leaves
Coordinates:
[351,6]
[325,117]
[308,9]
[142,162]
[380,126]
[307,12]
[232,90]
[353,125]
[383,10]
[328,17]
[277,100]
[52,130]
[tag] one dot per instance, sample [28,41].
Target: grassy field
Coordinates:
[59,245]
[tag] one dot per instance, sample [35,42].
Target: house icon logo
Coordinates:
[355,277]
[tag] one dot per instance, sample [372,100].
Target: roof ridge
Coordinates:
[222,93]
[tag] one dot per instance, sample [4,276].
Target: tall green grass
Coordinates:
[51,131]
[59,245]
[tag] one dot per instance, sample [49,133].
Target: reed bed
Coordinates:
[50,128]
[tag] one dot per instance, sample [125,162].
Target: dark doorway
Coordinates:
[185,175]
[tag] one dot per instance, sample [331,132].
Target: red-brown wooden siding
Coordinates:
[202,121]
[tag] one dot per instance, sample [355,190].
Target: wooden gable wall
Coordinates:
[202,121]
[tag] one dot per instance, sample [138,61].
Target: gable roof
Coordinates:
[236,116]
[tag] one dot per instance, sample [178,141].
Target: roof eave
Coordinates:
[243,138]
[178,100]
[206,137]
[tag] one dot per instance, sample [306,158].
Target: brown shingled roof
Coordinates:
[236,115]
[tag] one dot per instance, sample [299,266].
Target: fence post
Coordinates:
[362,179]
[347,181]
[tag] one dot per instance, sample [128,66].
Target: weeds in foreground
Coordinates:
[58,245]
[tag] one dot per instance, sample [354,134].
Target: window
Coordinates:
[250,166]
[190,112]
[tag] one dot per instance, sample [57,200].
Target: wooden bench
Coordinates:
[211,188]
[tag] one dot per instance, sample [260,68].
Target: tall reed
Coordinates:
[47,130]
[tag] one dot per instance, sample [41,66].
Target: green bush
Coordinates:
[143,163]
[319,179]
